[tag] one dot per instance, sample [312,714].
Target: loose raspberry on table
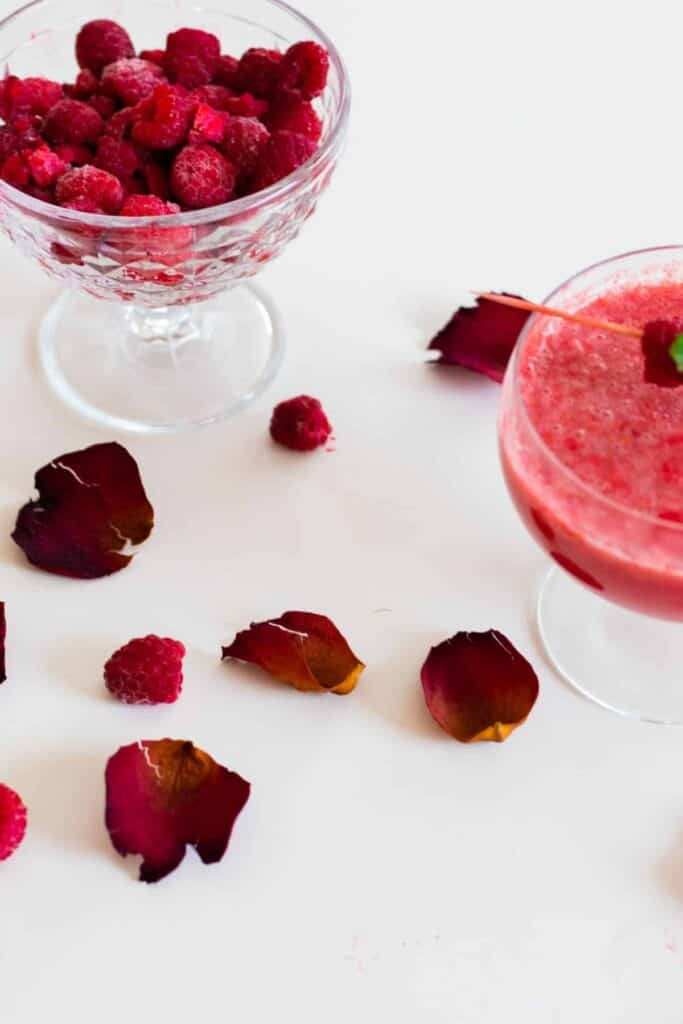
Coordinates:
[191,57]
[147,206]
[102,42]
[162,120]
[148,670]
[28,96]
[12,821]
[92,184]
[131,79]
[119,157]
[73,121]
[201,177]
[46,166]
[216,96]
[208,124]
[243,142]
[304,69]
[283,154]
[155,56]
[226,71]
[300,424]
[258,71]
[290,114]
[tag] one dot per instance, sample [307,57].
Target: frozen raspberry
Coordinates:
[46,195]
[155,56]
[118,157]
[100,43]
[15,171]
[74,155]
[258,72]
[148,206]
[91,183]
[216,96]
[106,106]
[73,121]
[300,424]
[27,96]
[283,153]
[82,204]
[118,124]
[246,105]
[131,79]
[148,670]
[243,141]
[202,177]
[12,821]
[191,57]
[208,125]
[16,137]
[46,166]
[290,114]
[157,178]
[304,69]
[162,120]
[85,86]
[226,71]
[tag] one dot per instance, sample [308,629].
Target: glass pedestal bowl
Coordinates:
[160,329]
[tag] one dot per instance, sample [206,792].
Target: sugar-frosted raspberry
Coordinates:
[119,157]
[208,125]
[12,821]
[73,121]
[283,154]
[304,69]
[148,670]
[118,124]
[291,114]
[246,105]
[148,206]
[131,79]
[300,423]
[75,155]
[106,106]
[86,85]
[91,183]
[226,71]
[82,204]
[258,71]
[15,171]
[21,134]
[201,177]
[216,96]
[46,166]
[102,42]
[243,142]
[162,120]
[191,57]
[155,56]
[27,96]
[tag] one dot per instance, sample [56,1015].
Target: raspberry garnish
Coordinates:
[98,187]
[291,114]
[100,43]
[660,345]
[119,157]
[12,821]
[148,670]
[162,120]
[201,176]
[147,206]
[304,69]
[300,424]
[73,121]
[243,142]
[283,154]
[191,57]
[131,79]
[258,72]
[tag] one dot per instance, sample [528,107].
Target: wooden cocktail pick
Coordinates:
[586,321]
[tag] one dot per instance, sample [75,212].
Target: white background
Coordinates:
[380,871]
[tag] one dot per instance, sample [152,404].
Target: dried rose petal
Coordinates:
[481,337]
[91,505]
[3,637]
[302,649]
[478,686]
[164,795]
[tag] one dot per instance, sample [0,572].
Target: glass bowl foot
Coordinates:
[626,662]
[158,371]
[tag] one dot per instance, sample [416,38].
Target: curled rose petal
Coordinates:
[478,686]
[302,649]
[91,505]
[165,795]
[3,637]
[481,337]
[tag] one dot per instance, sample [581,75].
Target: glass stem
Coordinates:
[166,325]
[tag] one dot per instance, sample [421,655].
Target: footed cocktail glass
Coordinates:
[160,330]
[593,458]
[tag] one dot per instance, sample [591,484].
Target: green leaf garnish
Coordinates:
[676,352]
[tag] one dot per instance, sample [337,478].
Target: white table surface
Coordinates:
[380,871]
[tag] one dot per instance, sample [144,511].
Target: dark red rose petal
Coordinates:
[165,795]
[302,649]
[478,686]
[3,637]
[576,570]
[91,505]
[660,368]
[481,338]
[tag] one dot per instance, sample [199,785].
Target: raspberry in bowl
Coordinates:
[155,160]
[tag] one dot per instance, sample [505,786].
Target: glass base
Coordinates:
[157,371]
[625,662]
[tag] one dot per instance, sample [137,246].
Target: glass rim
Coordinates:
[520,404]
[234,207]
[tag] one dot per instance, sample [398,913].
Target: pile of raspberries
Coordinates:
[166,131]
